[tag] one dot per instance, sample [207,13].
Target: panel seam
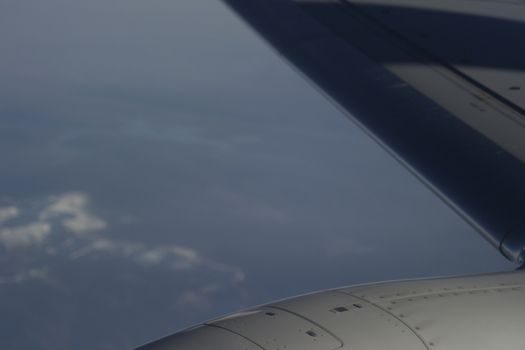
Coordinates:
[233,332]
[474,82]
[310,321]
[421,339]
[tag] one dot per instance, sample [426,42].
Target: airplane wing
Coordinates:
[440,84]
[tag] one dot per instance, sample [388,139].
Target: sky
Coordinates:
[162,166]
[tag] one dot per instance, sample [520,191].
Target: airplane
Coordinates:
[440,85]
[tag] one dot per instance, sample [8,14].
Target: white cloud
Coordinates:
[70,212]
[72,208]
[174,257]
[25,235]
[8,213]
[162,254]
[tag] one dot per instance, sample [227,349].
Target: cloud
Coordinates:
[65,227]
[69,210]
[72,207]
[25,235]
[173,257]
[8,213]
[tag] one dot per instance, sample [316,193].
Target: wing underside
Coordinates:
[439,84]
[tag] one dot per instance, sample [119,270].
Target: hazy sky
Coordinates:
[162,166]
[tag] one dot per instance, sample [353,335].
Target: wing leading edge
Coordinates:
[435,83]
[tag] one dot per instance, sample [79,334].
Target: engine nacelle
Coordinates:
[476,312]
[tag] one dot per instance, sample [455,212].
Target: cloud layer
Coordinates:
[65,227]
[69,210]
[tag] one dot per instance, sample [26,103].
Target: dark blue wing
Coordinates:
[440,85]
